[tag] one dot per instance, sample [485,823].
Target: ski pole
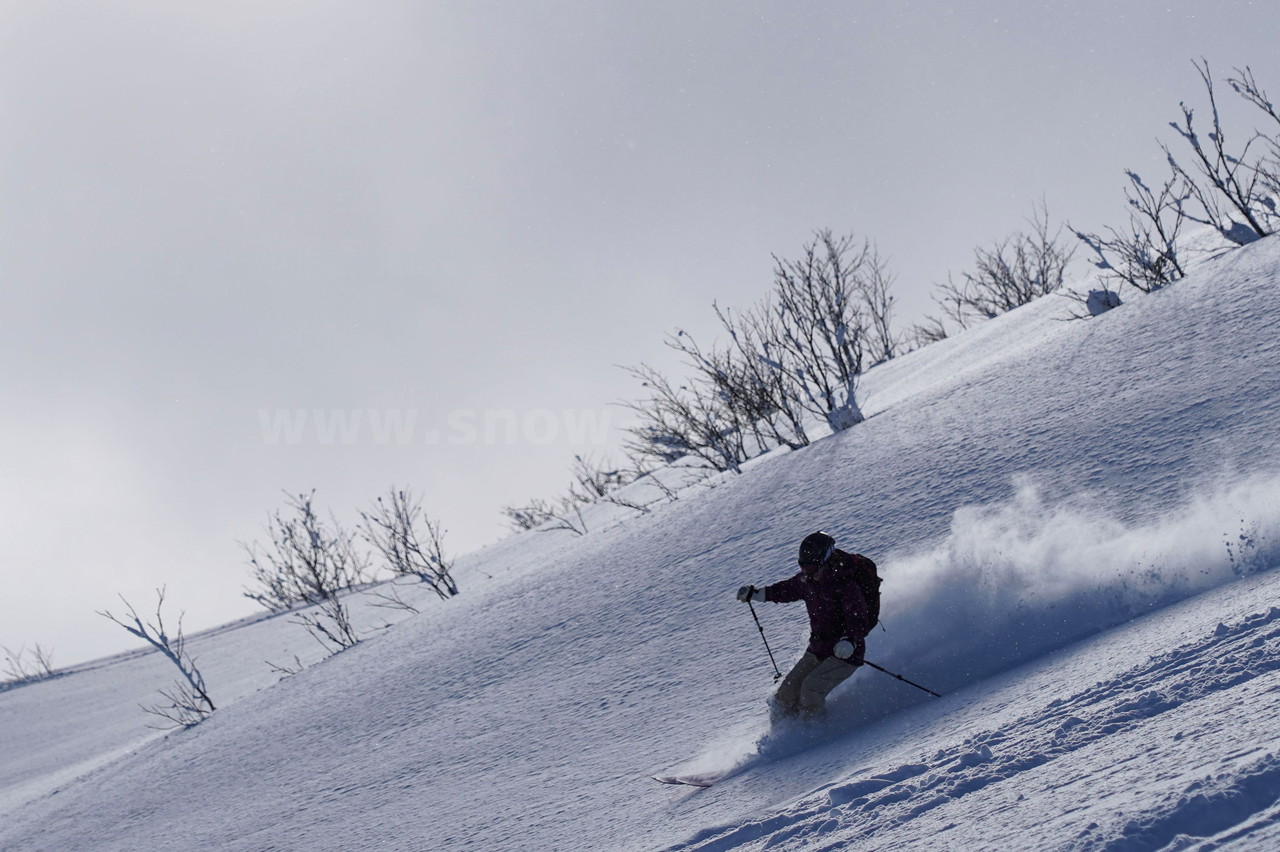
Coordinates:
[901,678]
[777,675]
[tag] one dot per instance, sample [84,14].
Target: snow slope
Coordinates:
[1124,741]
[1077,523]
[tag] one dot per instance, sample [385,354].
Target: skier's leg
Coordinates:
[787,699]
[818,683]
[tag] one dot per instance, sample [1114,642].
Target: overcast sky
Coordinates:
[213,216]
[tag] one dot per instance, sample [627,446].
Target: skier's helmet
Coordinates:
[816,548]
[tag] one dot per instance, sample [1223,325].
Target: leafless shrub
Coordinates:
[287,670]
[1233,191]
[538,514]
[389,597]
[1268,164]
[595,479]
[643,507]
[1145,255]
[27,666]
[820,335]
[410,543]
[800,353]
[598,480]
[930,330]
[1009,273]
[309,562]
[1225,183]
[758,401]
[691,419]
[875,282]
[796,356]
[329,623]
[187,702]
[670,491]
[526,517]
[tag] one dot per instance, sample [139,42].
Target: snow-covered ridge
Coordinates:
[1029,485]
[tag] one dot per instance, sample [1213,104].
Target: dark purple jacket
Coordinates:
[837,609]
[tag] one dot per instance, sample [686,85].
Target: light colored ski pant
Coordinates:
[805,689]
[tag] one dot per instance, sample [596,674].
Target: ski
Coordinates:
[686,780]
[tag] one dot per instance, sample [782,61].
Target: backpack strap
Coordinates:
[869,582]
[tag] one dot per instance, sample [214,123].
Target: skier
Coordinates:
[841,592]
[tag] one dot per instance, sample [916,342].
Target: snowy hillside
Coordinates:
[1077,523]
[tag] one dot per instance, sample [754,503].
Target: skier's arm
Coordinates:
[787,591]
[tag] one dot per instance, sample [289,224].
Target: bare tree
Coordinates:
[1223,182]
[692,419]
[796,356]
[1009,273]
[25,666]
[819,337]
[1268,165]
[410,543]
[187,702]
[758,399]
[875,282]
[1145,255]
[309,562]
[1232,191]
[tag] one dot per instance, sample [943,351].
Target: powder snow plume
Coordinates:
[1017,579]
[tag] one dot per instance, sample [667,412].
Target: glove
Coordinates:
[750,593]
[844,649]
